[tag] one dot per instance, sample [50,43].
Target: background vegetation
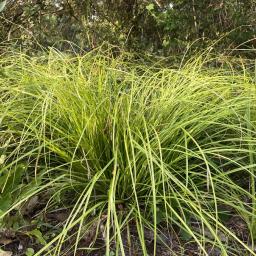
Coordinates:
[159,26]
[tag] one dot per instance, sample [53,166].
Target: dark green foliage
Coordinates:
[159,26]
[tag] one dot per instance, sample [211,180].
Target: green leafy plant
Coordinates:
[30,252]
[119,144]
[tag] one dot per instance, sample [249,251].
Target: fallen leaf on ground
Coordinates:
[7,253]
[5,241]
[30,206]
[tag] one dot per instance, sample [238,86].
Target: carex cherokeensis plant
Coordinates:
[122,146]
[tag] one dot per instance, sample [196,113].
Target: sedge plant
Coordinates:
[125,146]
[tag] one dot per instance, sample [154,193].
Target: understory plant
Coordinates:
[127,150]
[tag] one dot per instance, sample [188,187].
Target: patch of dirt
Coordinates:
[17,242]
[169,242]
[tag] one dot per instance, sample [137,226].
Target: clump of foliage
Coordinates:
[160,26]
[119,144]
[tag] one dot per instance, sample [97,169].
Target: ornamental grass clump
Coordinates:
[129,150]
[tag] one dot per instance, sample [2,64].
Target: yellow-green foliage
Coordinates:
[169,145]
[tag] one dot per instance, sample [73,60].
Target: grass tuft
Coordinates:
[129,149]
